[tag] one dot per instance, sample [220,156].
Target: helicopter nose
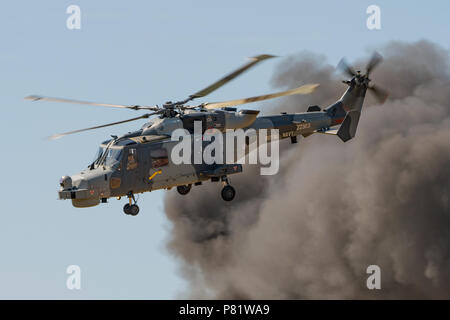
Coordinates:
[73,182]
[65,182]
[79,182]
[75,188]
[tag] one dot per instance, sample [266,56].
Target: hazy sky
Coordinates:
[139,52]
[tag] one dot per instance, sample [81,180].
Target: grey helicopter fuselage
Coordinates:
[140,161]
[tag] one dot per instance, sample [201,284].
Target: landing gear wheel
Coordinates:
[183,190]
[228,193]
[131,210]
[134,210]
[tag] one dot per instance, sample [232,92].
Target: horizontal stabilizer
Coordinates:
[347,130]
[331,131]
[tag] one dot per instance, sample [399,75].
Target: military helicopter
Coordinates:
[139,161]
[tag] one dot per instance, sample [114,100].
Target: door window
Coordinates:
[132,160]
[159,157]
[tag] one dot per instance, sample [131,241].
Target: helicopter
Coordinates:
[140,161]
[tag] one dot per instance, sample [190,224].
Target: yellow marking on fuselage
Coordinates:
[154,174]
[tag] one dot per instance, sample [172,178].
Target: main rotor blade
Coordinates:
[144,116]
[229,77]
[380,94]
[52,99]
[374,61]
[346,68]
[305,89]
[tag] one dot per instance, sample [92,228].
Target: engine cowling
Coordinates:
[241,119]
[220,119]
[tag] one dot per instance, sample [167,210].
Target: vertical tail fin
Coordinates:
[348,108]
[347,129]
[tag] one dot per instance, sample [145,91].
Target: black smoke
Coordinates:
[334,208]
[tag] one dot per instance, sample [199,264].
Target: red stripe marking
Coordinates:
[339,121]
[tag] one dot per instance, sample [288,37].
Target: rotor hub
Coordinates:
[168,105]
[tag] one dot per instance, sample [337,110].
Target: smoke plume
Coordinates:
[334,208]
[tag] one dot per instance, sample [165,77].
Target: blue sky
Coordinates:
[139,52]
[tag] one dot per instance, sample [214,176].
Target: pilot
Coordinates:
[131,163]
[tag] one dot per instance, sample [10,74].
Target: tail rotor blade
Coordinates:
[380,94]
[346,68]
[374,61]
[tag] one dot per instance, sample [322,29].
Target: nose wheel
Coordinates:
[130,208]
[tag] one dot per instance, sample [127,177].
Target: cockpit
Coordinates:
[108,156]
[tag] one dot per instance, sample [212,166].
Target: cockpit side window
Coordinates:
[132,160]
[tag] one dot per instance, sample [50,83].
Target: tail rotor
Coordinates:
[352,100]
[380,94]
[345,67]
[374,61]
